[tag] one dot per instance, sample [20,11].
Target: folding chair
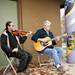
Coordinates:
[40,56]
[10,60]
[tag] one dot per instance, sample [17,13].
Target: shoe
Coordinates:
[61,70]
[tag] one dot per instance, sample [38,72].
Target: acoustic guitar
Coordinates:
[41,45]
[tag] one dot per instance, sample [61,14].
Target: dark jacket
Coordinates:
[12,41]
[41,33]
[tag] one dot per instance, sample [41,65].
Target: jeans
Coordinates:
[56,53]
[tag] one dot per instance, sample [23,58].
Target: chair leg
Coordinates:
[42,64]
[6,69]
[39,60]
[8,66]
[11,66]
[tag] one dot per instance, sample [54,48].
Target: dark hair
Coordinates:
[8,24]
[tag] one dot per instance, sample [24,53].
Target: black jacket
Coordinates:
[41,33]
[12,41]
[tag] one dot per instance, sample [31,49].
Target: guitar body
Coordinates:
[39,46]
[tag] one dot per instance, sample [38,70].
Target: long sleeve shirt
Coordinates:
[12,41]
[41,33]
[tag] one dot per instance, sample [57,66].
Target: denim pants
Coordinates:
[56,53]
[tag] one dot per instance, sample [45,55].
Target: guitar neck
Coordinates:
[59,37]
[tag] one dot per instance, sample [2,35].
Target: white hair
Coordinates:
[47,22]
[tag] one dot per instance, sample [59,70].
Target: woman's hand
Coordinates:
[15,50]
[29,33]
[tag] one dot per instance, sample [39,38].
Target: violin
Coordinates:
[20,33]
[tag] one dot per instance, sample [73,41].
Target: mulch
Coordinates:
[34,69]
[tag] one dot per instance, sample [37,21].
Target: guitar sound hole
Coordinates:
[44,44]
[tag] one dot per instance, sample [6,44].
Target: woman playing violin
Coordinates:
[10,44]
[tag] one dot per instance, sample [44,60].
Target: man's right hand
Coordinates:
[41,40]
[15,50]
[44,39]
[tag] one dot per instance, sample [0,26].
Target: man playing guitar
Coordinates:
[42,35]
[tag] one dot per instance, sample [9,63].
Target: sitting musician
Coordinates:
[50,50]
[10,44]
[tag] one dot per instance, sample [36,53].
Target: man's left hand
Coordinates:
[57,38]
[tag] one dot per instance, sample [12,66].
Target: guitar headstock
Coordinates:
[65,35]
